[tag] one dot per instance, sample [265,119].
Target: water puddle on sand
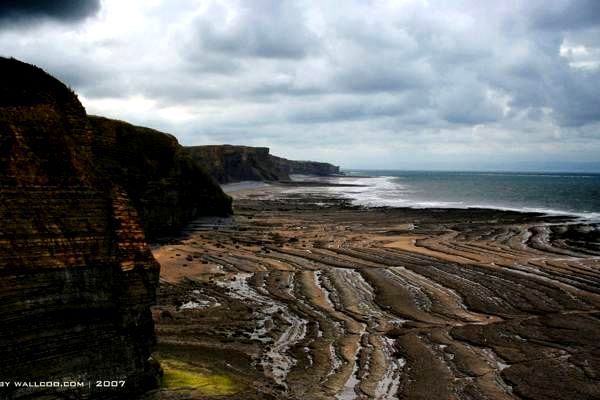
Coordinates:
[274,316]
[275,360]
[336,362]
[200,305]
[276,357]
[319,278]
[390,382]
[349,390]
[199,301]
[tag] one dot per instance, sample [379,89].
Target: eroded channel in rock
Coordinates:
[325,301]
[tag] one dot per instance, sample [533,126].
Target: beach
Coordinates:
[303,295]
[300,200]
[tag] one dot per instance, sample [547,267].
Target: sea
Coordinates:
[576,194]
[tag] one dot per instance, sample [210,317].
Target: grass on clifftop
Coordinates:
[180,375]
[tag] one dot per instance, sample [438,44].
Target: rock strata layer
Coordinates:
[227,163]
[77,278]
[306,167]
[166,186]
[303,296]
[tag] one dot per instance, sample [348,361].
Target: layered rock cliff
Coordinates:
[228,163]
[306,167]
[76,276]
[165,185]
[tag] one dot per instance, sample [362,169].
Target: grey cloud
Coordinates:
[214,64]
[316,74]
[466,105]
[364,107]
[578,102]
[566,14]
[262,28]
[64,10]
[283,88]
[384,74]
[340,111]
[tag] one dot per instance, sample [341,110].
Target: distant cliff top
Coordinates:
[166,185]
[46,138]
[29,85]
[44,134]
[231,163]
[230,148]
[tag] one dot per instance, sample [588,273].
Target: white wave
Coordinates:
[390,191]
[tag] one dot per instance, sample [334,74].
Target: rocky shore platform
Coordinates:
[304,296]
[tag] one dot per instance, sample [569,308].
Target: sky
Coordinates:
[509,85]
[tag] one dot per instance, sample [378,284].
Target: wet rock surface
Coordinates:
[306,297]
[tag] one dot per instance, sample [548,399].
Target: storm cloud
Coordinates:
[65,10]
[383,84]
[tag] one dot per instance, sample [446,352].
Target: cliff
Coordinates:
[77,278]
[306,167]
[166,186]
[227,163]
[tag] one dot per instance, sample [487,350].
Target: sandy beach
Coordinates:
[304,296]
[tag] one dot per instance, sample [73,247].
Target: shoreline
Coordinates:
[268,189]
[305,296]
[306,182]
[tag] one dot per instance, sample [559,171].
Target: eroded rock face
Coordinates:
[306,167]
[76,276]
[227,163]
[167,187]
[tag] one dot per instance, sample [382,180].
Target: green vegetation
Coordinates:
[180,375]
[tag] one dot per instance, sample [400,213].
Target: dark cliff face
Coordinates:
[77,278]
[307,167]
[166,186]
[227,163]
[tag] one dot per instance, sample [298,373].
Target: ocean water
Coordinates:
[553,193]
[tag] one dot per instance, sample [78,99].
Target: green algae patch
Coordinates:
[180,375]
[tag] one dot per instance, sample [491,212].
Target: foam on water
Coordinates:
[399,191]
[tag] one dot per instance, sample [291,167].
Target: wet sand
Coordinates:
[303,296]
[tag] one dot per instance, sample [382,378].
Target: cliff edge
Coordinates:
[166,186]
[228,163]
[317,168]
[77,278]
